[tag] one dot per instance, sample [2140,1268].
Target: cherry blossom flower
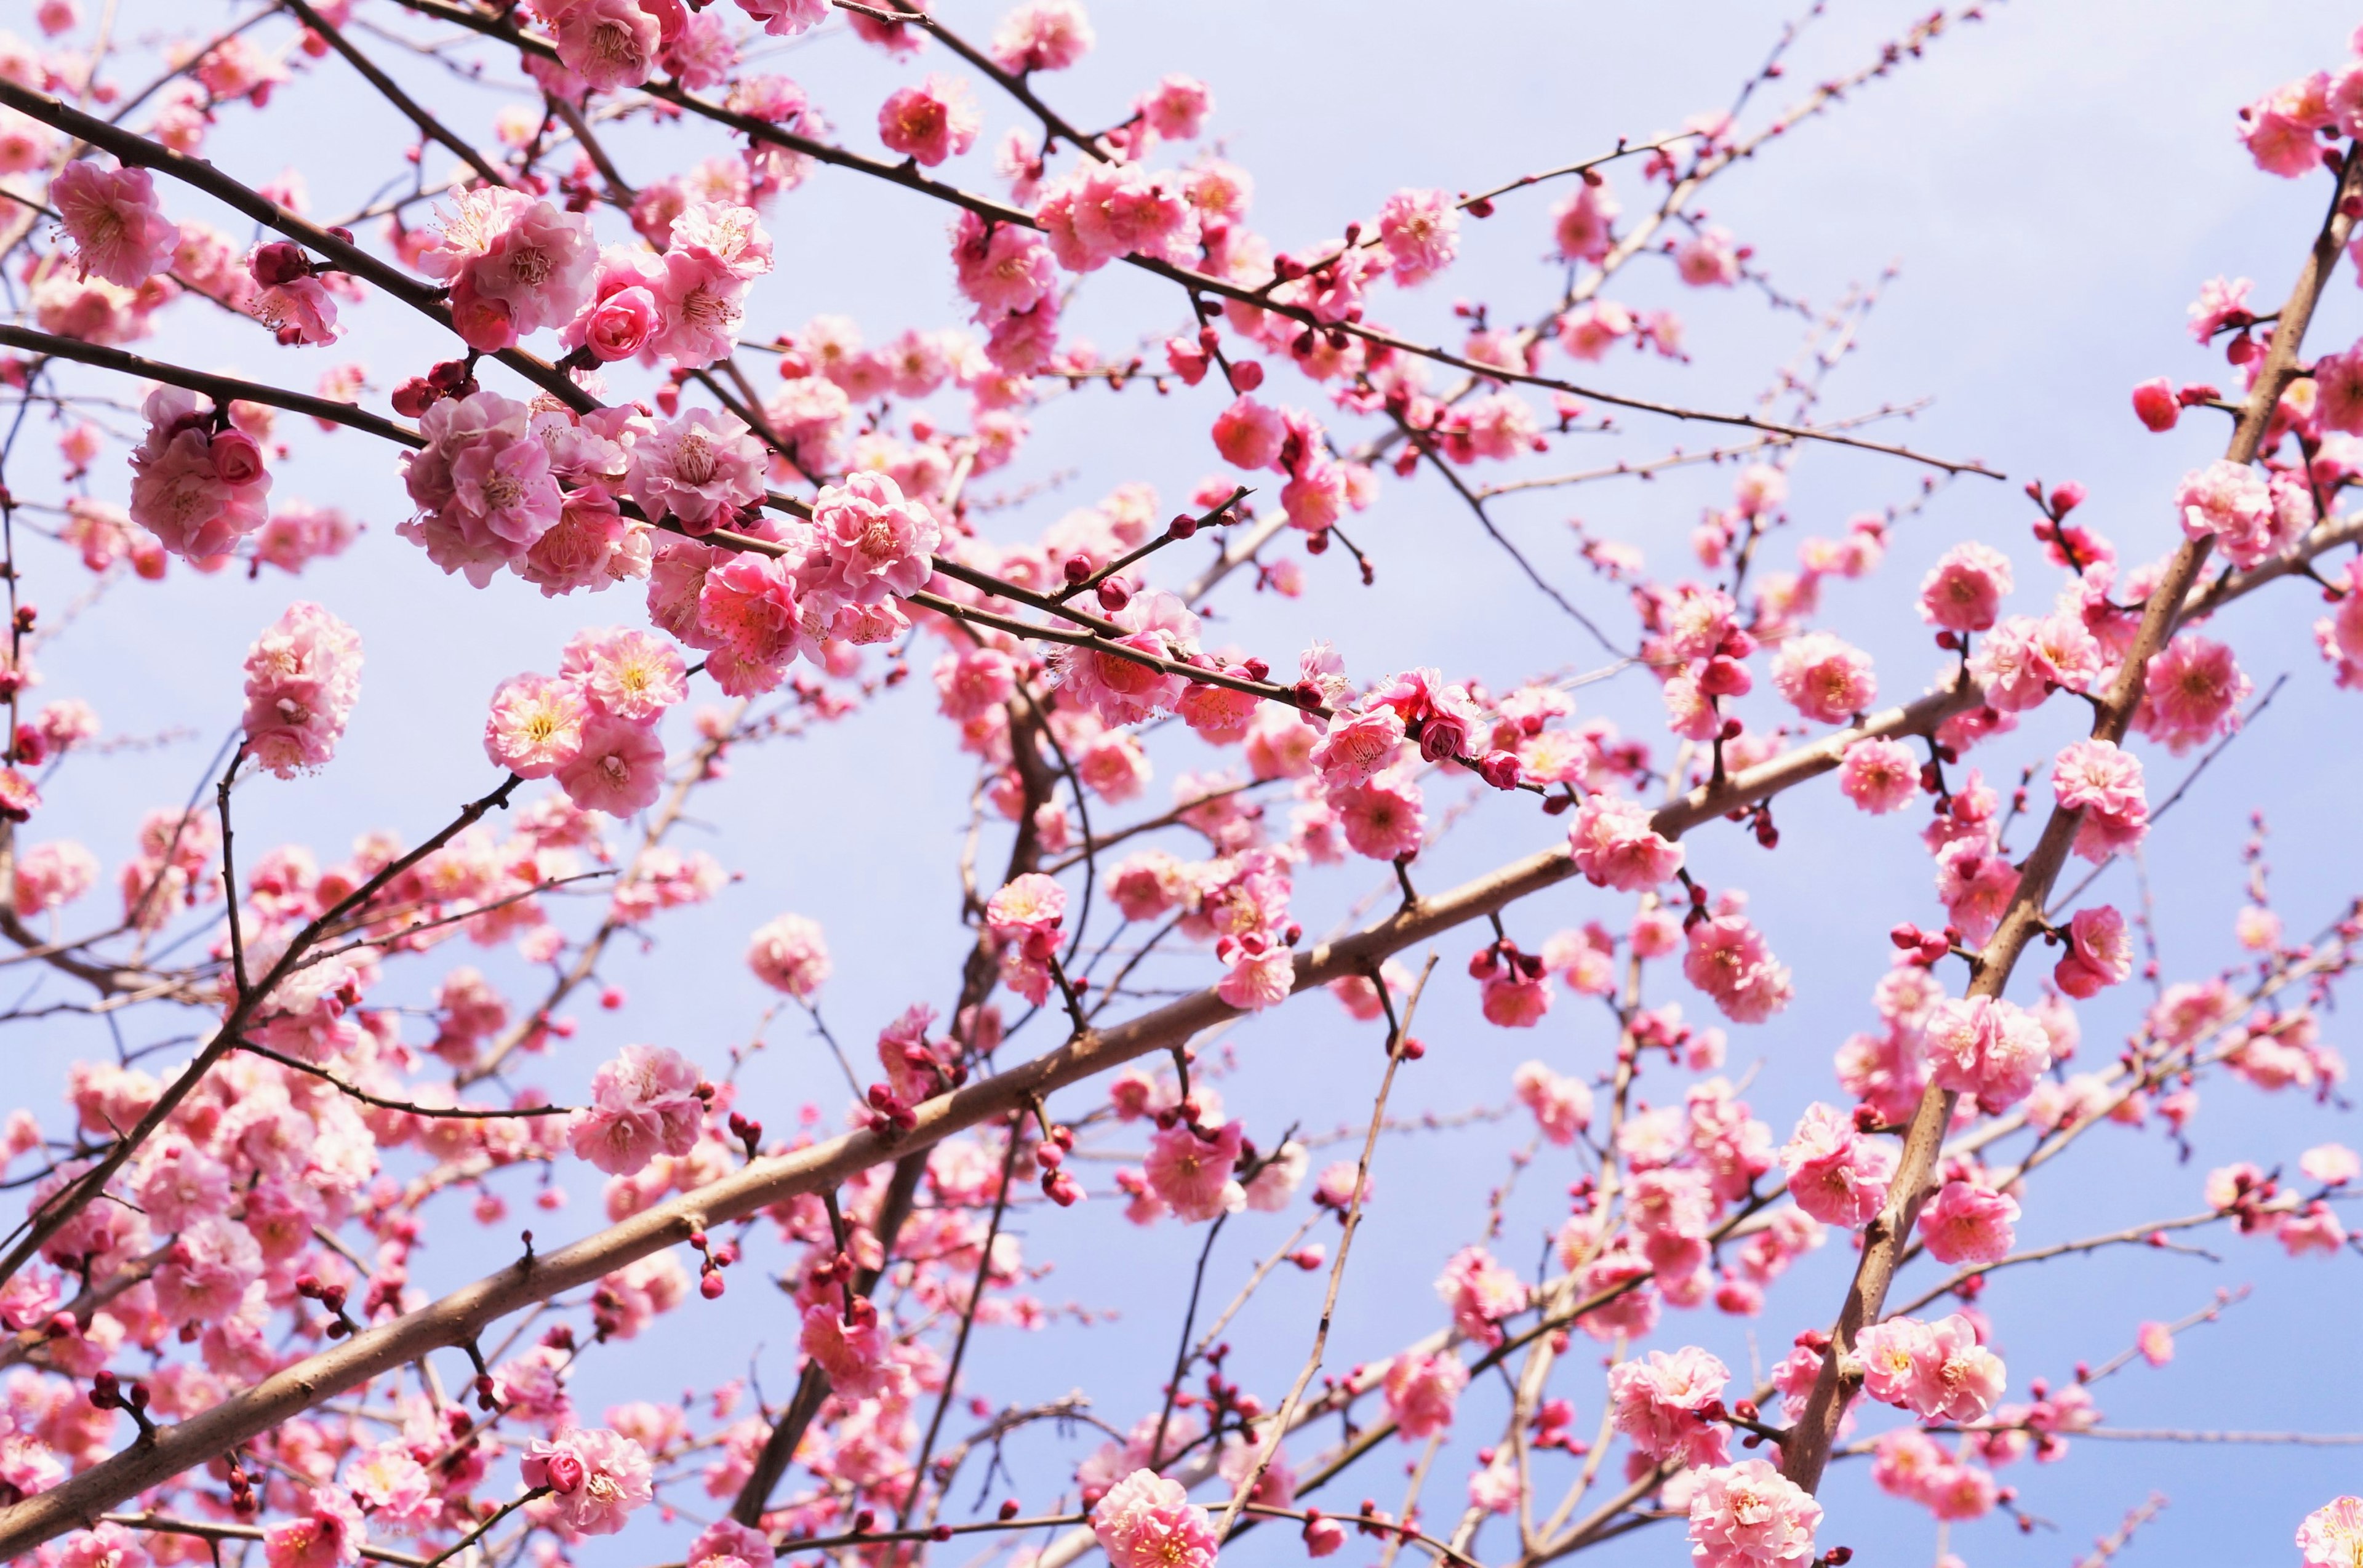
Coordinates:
[1836,1173]
[1729,959]
[699,468]
[1190,1171]
[2103,782]
[852,1350]
[596,1478]
[1421,1391]
[869,541]
[2332,1536]
[197,486]
[1965,1223]
[1965,589]
[2192,693]
[1614,845]
[620,768]
[1480,1293]
[1987,1047]
[303,677]
[1823,678]
[1658,1401]
[1562,1106]
[1147,1521]
[1750,1516]
[933,121]
[1879,776]
[610,44]
[788,955]
[514,264]
[1421,232]
[643,1104]
[1101,212]
[1043,35]
[2100,954]
[626,674]
[481,485]
[329,1535]
[1938,1371]
[2232,502]
[535,725]
[51,875]
[112,217]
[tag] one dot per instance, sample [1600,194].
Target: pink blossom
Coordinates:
[2232,502]
[51,875]
[2192,693]
[1177,108]
[1190,1171]
[303,677]
[514,264]
[1562,1106]
[481,485]
[869,541]
[622,314]
[1965,1223]
[205,1272]
[596,1478]
[626,674]
[2022,659]
[2332,1164]
[1382,818]
[391,1482]
[1042,35]
[748,607]
[1125,691]
[1708,258]
[1879,776]
[1582,223]
[643,1104]
[196,486]
[1358,746]
[1750,1516]
[2100,954]
[1590,329]
[728,1540]
[1965,589]
[535,725]
[935,121]
[788,954]
[1480,1293]
[1729,959]
[1658,1402]
[1259,972]
[852,1350]
[2103,782]
[1147,1521]
[610,44]
[786,18]
[1514,1000]
[1938,1371]
[701,468]
[1614,844]
[1976,886]
[619,769]
[1007,272]
[2332,1536]
[1421,232]
[1249,434]
[1836,1173]
[330,1534]
[1101,212]
[1421,1391]
[112,216]
[1987,1047]
[1823,678]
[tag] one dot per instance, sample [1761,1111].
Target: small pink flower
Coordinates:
[1727,959]
[1965,590]
[1965,1223]
[726,1541]
[1879,776]
[2332,1536]
[329,1536]
[197,488]
[303,677]
[596,1478]
[53,876]
[619,769]
[1657,1403]
[626,674]
[2155,1342]
[700,300]
[1382,818]
[2232,502]
[1823,678]
[1421,232]
[1613,845]
[112,216]
[853,1351]
[1259,972]
[1147,1521]
[2103,782]
[788,954]
[1987,1047]
[1480,1293]
[1100,212]
[481,485]
[1191,1173]
[1836,1173]
[535,725]
[1042,35]
[869,541]
[1750,1516]
[643,1104]
[1421,1391]
[2191,693]
[935,121]
[1562,1106]
[1005,272]
[1358,746]
[1249,434]
[2100,954]
[1177,108]
[701,468]
[610,44]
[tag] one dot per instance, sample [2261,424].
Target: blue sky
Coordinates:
[2052,183]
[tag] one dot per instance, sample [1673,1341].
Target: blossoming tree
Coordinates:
[219,1346]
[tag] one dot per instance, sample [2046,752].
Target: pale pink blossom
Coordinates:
[1101,212]
[1421,1391]
[610,44]
[1480,1293]
[2100,954]
[596,1478]
[1836,1173]
[643,1104]
[1965,1223]
[852,1350]
[788,954]
[514,264]
[303,677]
[702,468]
[2232,502]
[205,1271]
[626,674]
[869,541]
[1190,1171]
[482,485]
[117,229]
[2332,1164]
[1147,1521]
[1358,746]
[535,725]
[1823,678]
[196,486]
[1562,1106]
[1421,232]
[1750,1516]
[620,768]
[700,305]
[1614,844]
[2332,1536]
[1986,1048]
[2192,693]
[2104,782]
[51,875]
[1879,776]
[1658,1401]
[933,121]
[1042,35]
[329,1534]
[1938,1371]
[1965,589]
[1729,959]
